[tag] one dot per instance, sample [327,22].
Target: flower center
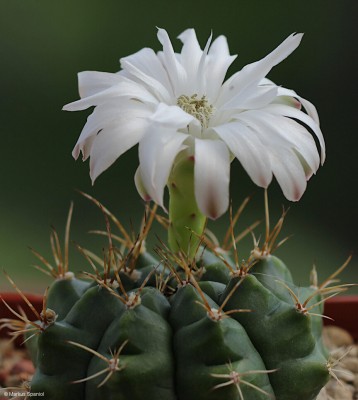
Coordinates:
[198,108]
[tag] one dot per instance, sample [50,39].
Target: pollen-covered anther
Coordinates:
[200,109]
[133,300]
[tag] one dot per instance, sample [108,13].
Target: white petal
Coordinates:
[146,66]
[281,98]
[114,140]
[92,82]
[309,107]
[157,152]
[109,114]
[289,173]
[255,72]
[85,148]
[138,180]
[252,97]
[285,164]
[212,177]
[291,112]
[172,116]
[219,60]
[248,149]
[288,101]
[126,88]
[174,69]
[190,58]
[191,47]
[147,61]
[283,132]
[201,73]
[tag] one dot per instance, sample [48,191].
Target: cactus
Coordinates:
[193,323]
[179,329]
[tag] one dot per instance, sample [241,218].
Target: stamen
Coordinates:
[198,108]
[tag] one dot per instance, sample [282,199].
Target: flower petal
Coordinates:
[147,61]
[138,180]
[92,82]
[172,116]
[252,74]
[114,140]
[200,77]
[126,88]
[173,67]
[289,173]
[146,66]
[190,59]
[219,60]
[284,160]
[248,149]
[309,107]
[291,112]
[212,177]
[252,97]
[280,131]
[105,115]
[157,152]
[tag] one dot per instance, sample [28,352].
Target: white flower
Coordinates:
[177,105]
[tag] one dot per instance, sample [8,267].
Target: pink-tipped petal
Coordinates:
[289,173]
[212,177]
[138,180]
[157,152]
[248,149]
[291,112]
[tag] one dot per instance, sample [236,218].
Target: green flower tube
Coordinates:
[186,220]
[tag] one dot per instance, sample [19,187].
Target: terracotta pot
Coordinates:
[343,310]
[14,300]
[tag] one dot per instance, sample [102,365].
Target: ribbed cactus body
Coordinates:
[187,343]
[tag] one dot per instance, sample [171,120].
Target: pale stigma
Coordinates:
[201,109]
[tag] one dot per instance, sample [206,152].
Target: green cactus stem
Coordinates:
[186,220]
[176,329]
[183,339]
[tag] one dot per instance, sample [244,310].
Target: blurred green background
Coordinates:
[44,44]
